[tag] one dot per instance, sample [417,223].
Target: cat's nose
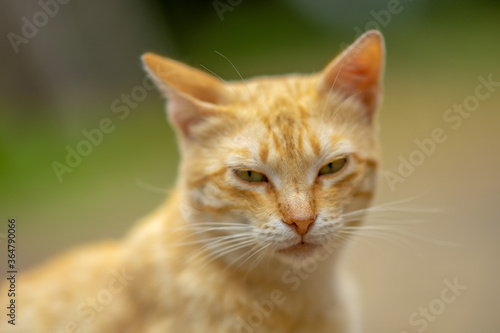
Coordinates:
[301,226]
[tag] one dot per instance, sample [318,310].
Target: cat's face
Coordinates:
[277,163]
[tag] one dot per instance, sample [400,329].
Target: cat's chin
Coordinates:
[299,251]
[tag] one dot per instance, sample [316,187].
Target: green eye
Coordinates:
[250,176]
[333,167]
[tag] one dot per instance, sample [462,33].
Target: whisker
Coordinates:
[342,104]
[224,243]
[331,89]
[228,85]
[212,240]
[227,250]
[259,250]
[387,209]
[370,242]
[152,188]
[200,230]
[386,237]
[257,260]
[218,224]
[241,256]
[241,77]
[408,233]
[345,237]
[382,215]
[383,220]
[191,232]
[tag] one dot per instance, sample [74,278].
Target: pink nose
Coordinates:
[301,226]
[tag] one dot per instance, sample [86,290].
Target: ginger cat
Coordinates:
[271,169]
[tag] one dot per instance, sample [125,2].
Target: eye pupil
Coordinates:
[251,176]
[333,167]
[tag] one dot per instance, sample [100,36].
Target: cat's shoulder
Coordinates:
[83,263]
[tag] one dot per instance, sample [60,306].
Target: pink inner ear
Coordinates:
[184,112]
[358,71]
[180,112]
[192,94]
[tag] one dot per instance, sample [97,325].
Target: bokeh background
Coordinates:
[82,62]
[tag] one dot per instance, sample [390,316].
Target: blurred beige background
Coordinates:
[83,65]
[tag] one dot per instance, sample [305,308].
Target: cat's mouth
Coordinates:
[302,248]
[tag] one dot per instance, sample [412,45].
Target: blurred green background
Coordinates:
[82,62]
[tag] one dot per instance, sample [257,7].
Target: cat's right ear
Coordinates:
[192,94]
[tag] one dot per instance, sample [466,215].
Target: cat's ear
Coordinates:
[357,72]
[192,94]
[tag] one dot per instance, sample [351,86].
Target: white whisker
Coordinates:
[152,188]
[227,250]
[241,77]
[219,223]
[209,247]
[384,236]
[259,250]
[241,256]
[402,232]
[227,85]
[201,230]
[213,240]
[342,104]
[331,89]
[257,260]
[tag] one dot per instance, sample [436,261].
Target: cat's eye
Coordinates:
[333,167]
[251,176]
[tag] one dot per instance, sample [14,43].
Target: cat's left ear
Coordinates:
[193,95]
[358,71]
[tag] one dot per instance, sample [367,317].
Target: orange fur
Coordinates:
[224,254]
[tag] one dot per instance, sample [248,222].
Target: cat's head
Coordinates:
[276,162]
